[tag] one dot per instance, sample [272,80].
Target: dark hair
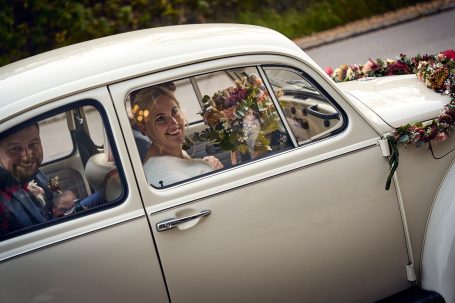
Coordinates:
[18,128]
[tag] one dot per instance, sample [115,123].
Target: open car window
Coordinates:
[229,120]
[56,167]
[309,113]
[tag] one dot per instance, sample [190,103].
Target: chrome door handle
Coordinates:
[173,222]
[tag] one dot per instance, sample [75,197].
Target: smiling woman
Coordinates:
[158,115]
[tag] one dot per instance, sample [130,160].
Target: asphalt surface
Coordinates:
[426,35]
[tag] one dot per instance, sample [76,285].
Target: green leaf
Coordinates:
[243,148]
[205,99]
[245,105]
[239,114]
[403,139]
[270,126]
[262,139]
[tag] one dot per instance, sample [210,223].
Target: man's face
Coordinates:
[21,153]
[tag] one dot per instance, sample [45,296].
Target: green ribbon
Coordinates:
[393,160]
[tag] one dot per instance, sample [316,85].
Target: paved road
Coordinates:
[427,35]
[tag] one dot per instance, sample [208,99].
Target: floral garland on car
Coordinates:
[436,71]
[240,118]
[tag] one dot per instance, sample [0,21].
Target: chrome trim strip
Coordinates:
[404,220]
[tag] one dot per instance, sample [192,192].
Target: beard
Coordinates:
[25,171]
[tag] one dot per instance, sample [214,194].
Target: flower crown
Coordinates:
[139,114]
[149,95]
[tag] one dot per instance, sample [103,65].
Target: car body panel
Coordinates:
[96,267]
[398,100]
[439,249]
[419,175]
[284,243]
[268,211]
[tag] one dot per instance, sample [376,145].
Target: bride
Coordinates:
[157,113]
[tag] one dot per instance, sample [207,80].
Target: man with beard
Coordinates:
[21,155]
[27,197]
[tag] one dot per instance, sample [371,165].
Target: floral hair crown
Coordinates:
[146,97]
[139,114]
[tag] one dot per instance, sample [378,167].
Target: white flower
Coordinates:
[37,191]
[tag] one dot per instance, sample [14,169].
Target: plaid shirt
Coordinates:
[18,207]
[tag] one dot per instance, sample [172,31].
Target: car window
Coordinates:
[192,127]
[35,193]
[51,150]
[308,112]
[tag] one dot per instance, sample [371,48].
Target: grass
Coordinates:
[319,15]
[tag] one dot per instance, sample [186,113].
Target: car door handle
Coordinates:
[173,222]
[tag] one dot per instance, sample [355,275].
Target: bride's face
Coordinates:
[166,125]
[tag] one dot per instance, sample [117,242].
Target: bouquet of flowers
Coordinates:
[240,118]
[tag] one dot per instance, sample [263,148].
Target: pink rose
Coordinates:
[441,136]
[329,71]
[450,53]
[229,113]
[370,66]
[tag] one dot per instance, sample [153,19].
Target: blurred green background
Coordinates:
[31,27]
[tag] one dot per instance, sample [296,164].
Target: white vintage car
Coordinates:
[298,213]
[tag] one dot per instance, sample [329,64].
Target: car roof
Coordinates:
[114,58]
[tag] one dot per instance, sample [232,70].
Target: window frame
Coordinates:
[197,92]
[116,157]
[321,91]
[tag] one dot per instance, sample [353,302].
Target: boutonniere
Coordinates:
[54,185]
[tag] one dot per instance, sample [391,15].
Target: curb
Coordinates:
[374,23]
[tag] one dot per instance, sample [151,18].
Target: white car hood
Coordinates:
[398,100]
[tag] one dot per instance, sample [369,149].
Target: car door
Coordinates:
[310,222]
[104,251]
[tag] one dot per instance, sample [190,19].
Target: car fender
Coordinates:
[438,259]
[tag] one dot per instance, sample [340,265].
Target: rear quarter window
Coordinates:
[56,167]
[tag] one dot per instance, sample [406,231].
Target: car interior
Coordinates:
[88,163]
